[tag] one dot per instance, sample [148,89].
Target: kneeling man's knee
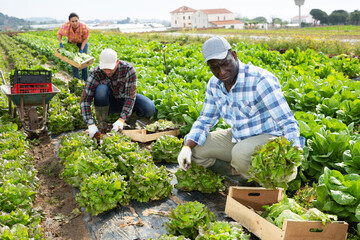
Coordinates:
[241,159]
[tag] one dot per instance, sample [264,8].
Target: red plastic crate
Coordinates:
[32,88]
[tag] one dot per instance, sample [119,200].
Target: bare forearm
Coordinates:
[83,44]
[190,143]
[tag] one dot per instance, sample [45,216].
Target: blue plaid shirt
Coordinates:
[254,105]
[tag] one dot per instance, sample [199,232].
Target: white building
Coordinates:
[221,17]
[200,20]
[304,19]
[205,18]
[182,17]
[220,14]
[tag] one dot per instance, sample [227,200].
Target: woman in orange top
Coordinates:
[77,33]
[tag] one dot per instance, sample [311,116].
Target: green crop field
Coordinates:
[317,69]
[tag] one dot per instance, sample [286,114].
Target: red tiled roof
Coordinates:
[215,11]
[183,9]
[226,22]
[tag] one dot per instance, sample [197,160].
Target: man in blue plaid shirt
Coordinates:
[250,101]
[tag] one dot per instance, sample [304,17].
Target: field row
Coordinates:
[319,89]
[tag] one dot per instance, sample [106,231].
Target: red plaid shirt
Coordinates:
[79,36]
[122,84]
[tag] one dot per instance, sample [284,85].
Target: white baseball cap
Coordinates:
[215,48]
[108,58]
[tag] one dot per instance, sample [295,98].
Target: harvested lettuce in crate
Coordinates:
[161,125]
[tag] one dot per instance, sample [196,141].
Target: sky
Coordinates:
[160,9]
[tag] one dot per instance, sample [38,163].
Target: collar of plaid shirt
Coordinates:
[80,34]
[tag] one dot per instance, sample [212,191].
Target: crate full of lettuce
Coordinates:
[151,132]
[270,215]
[70,54]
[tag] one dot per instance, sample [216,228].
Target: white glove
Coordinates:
[92,130]
[119,124]
[184,158]
[293,175]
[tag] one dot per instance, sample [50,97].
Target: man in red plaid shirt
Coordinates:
[77,33]
[112,86]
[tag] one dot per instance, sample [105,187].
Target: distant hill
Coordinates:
[12,23]
[16,24]
[43,20]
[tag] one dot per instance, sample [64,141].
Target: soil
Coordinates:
[62,215]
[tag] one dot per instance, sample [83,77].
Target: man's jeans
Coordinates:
[143,107]
[84,71]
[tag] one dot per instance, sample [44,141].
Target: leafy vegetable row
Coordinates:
[18,186]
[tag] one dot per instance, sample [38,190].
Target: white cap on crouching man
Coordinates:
[108,58]
[215,48]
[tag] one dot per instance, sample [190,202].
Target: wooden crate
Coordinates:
[140,135]
[242,201]
[75,64]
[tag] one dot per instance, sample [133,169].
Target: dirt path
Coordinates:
[64,76]
[62,216]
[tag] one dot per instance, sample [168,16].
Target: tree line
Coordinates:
[337,17]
